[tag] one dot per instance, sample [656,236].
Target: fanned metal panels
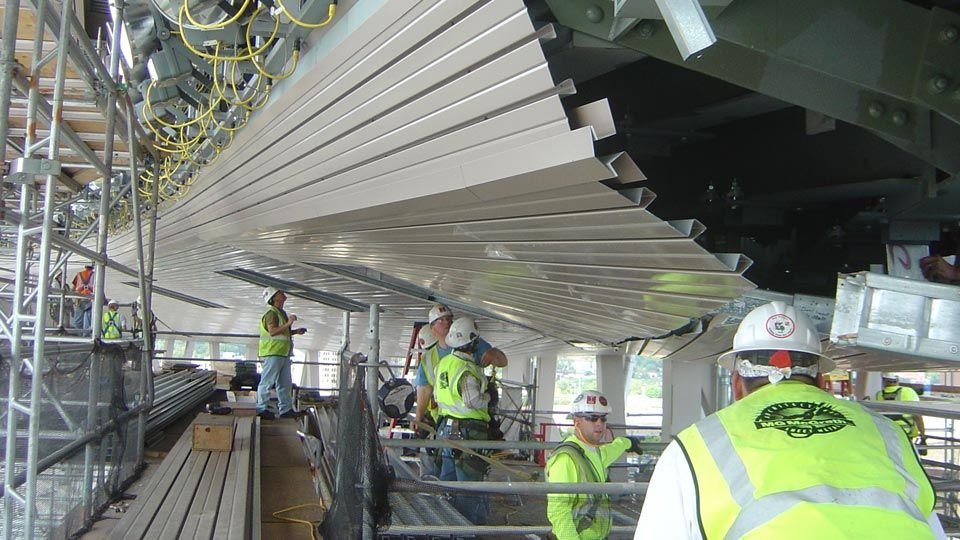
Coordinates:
[431,145]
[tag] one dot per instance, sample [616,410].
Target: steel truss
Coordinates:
[37,180]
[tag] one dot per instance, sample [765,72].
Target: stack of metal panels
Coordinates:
[178,392]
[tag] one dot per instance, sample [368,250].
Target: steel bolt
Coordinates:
[594,14]
[938,83]
[887,342]
[949,34]
[876,109]
[900,117]
[645,29]
[954,349]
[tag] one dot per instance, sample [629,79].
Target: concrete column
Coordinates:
[611,381]
[517,370]
[867,383]
[689,390]
[546,386]
[310,376]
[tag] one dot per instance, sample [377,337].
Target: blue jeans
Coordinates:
[82,315]
[476,508]
[275,372]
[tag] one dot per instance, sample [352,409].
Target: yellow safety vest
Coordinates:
[905,421]
[574,516]
[274,345]
[451,369]
[790,461]
[111,325]
[430,360]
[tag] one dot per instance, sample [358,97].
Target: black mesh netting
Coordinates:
[70,376]
[361,479]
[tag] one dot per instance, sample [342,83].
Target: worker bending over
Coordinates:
[912,424]
[787,460]
[582,457]
[461,393]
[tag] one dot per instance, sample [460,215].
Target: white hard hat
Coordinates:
[268,294]
[589,402]
[112,302]
[462,332]
[426,338]
[890,376]
[776,327]
[438,312]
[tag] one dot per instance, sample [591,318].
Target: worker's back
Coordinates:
[791,461]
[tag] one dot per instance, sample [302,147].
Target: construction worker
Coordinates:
[427,411]
[461,394]
[912,424]
[582,457]
[275,349]
[787,460]
[83,285]
[440,318]
[113,322]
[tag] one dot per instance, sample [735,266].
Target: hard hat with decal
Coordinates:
[777,327]
[589,402]
[439,311]
[463,331]
[113,302]
[426,338]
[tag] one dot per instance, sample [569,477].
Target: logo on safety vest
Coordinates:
[801,419]
[443,381]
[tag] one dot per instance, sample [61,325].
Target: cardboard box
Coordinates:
[213,437]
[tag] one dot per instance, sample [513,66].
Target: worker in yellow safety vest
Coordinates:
[582,457]
[427,412]
[113,321]
[461,393]
[274,349]
[912,424]
[787,460]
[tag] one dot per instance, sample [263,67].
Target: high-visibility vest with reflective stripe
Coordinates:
[905,421]
[791,461]
[274,345]
[111,325]
[451,369]
[590,513]
[430,360]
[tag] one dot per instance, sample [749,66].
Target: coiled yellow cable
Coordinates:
[330,12]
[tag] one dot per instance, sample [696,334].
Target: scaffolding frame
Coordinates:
[25,327]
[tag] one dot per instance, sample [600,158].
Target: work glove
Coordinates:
[922,442]
[635,445]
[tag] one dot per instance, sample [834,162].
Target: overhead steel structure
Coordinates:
[59,380]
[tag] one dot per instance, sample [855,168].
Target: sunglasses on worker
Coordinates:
[595,418]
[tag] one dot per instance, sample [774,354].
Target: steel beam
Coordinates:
[791,50]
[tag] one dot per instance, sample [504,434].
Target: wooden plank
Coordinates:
[188,489]
[140,515]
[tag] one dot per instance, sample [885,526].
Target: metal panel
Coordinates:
[896,315]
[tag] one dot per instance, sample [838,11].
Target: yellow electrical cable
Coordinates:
[266,45]
[214,26]
[330,12]
[149,104]
[303,521]
[295,56]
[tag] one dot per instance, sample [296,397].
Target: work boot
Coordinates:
[266,415]
[291,414]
